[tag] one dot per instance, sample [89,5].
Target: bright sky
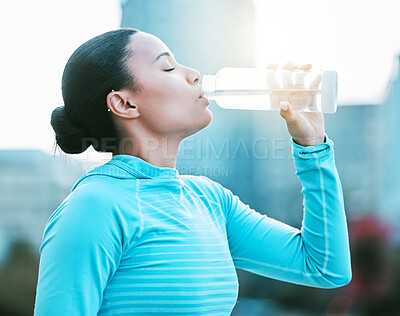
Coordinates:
[358,39]
[38,37]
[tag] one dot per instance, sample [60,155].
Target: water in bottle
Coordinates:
[263,89]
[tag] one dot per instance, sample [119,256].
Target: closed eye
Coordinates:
[170,69]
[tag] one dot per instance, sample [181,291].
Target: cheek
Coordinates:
[170,86]
[161,109]
[169,104]
[166,95]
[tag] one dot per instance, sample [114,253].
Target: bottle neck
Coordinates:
[208,86]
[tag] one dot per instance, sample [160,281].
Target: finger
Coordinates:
[299,80]
[291,66]
[300,76]
[272,66]
[287,74]
[306,67]
[288,113]
[316,82]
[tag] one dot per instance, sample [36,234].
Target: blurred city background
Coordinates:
[248,152]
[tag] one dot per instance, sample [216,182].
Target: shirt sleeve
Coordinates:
[83,242]
[317,255]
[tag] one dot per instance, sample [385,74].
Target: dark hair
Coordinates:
[95,69]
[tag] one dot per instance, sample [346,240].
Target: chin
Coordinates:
[202,125]
[210,119]
[207,120]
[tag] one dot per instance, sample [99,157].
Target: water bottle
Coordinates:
[263,89]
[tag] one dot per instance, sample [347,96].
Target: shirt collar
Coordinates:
[142,169]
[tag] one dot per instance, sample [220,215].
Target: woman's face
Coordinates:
[168,95]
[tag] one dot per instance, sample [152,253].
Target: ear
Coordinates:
[121,103]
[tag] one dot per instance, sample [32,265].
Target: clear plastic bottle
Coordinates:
[263,89]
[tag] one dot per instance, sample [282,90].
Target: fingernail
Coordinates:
[283,105]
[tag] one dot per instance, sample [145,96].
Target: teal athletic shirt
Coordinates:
[135,239]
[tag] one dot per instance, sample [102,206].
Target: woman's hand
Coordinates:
[306,128]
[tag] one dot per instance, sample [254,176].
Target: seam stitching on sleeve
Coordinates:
[322,187]
[280,268]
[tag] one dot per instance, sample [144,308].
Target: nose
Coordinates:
[193,76]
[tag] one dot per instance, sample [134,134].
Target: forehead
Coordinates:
[146,47]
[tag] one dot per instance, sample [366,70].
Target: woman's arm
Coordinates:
[318,254]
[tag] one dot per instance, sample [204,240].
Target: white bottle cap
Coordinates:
[329,91]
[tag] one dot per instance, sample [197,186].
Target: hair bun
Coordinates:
[70,138]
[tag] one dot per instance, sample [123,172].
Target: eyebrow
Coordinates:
[162,54]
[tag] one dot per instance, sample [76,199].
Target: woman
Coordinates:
[134,236]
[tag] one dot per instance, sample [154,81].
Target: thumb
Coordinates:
[288,113]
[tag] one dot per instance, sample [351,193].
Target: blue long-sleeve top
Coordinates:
[133,238]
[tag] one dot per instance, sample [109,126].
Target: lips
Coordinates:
[202,93]
[203,97]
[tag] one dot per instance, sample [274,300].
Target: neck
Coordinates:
[160,152]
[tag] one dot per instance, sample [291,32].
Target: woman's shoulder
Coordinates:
[93,183]
[96,209]
[96,195]
[104,176]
